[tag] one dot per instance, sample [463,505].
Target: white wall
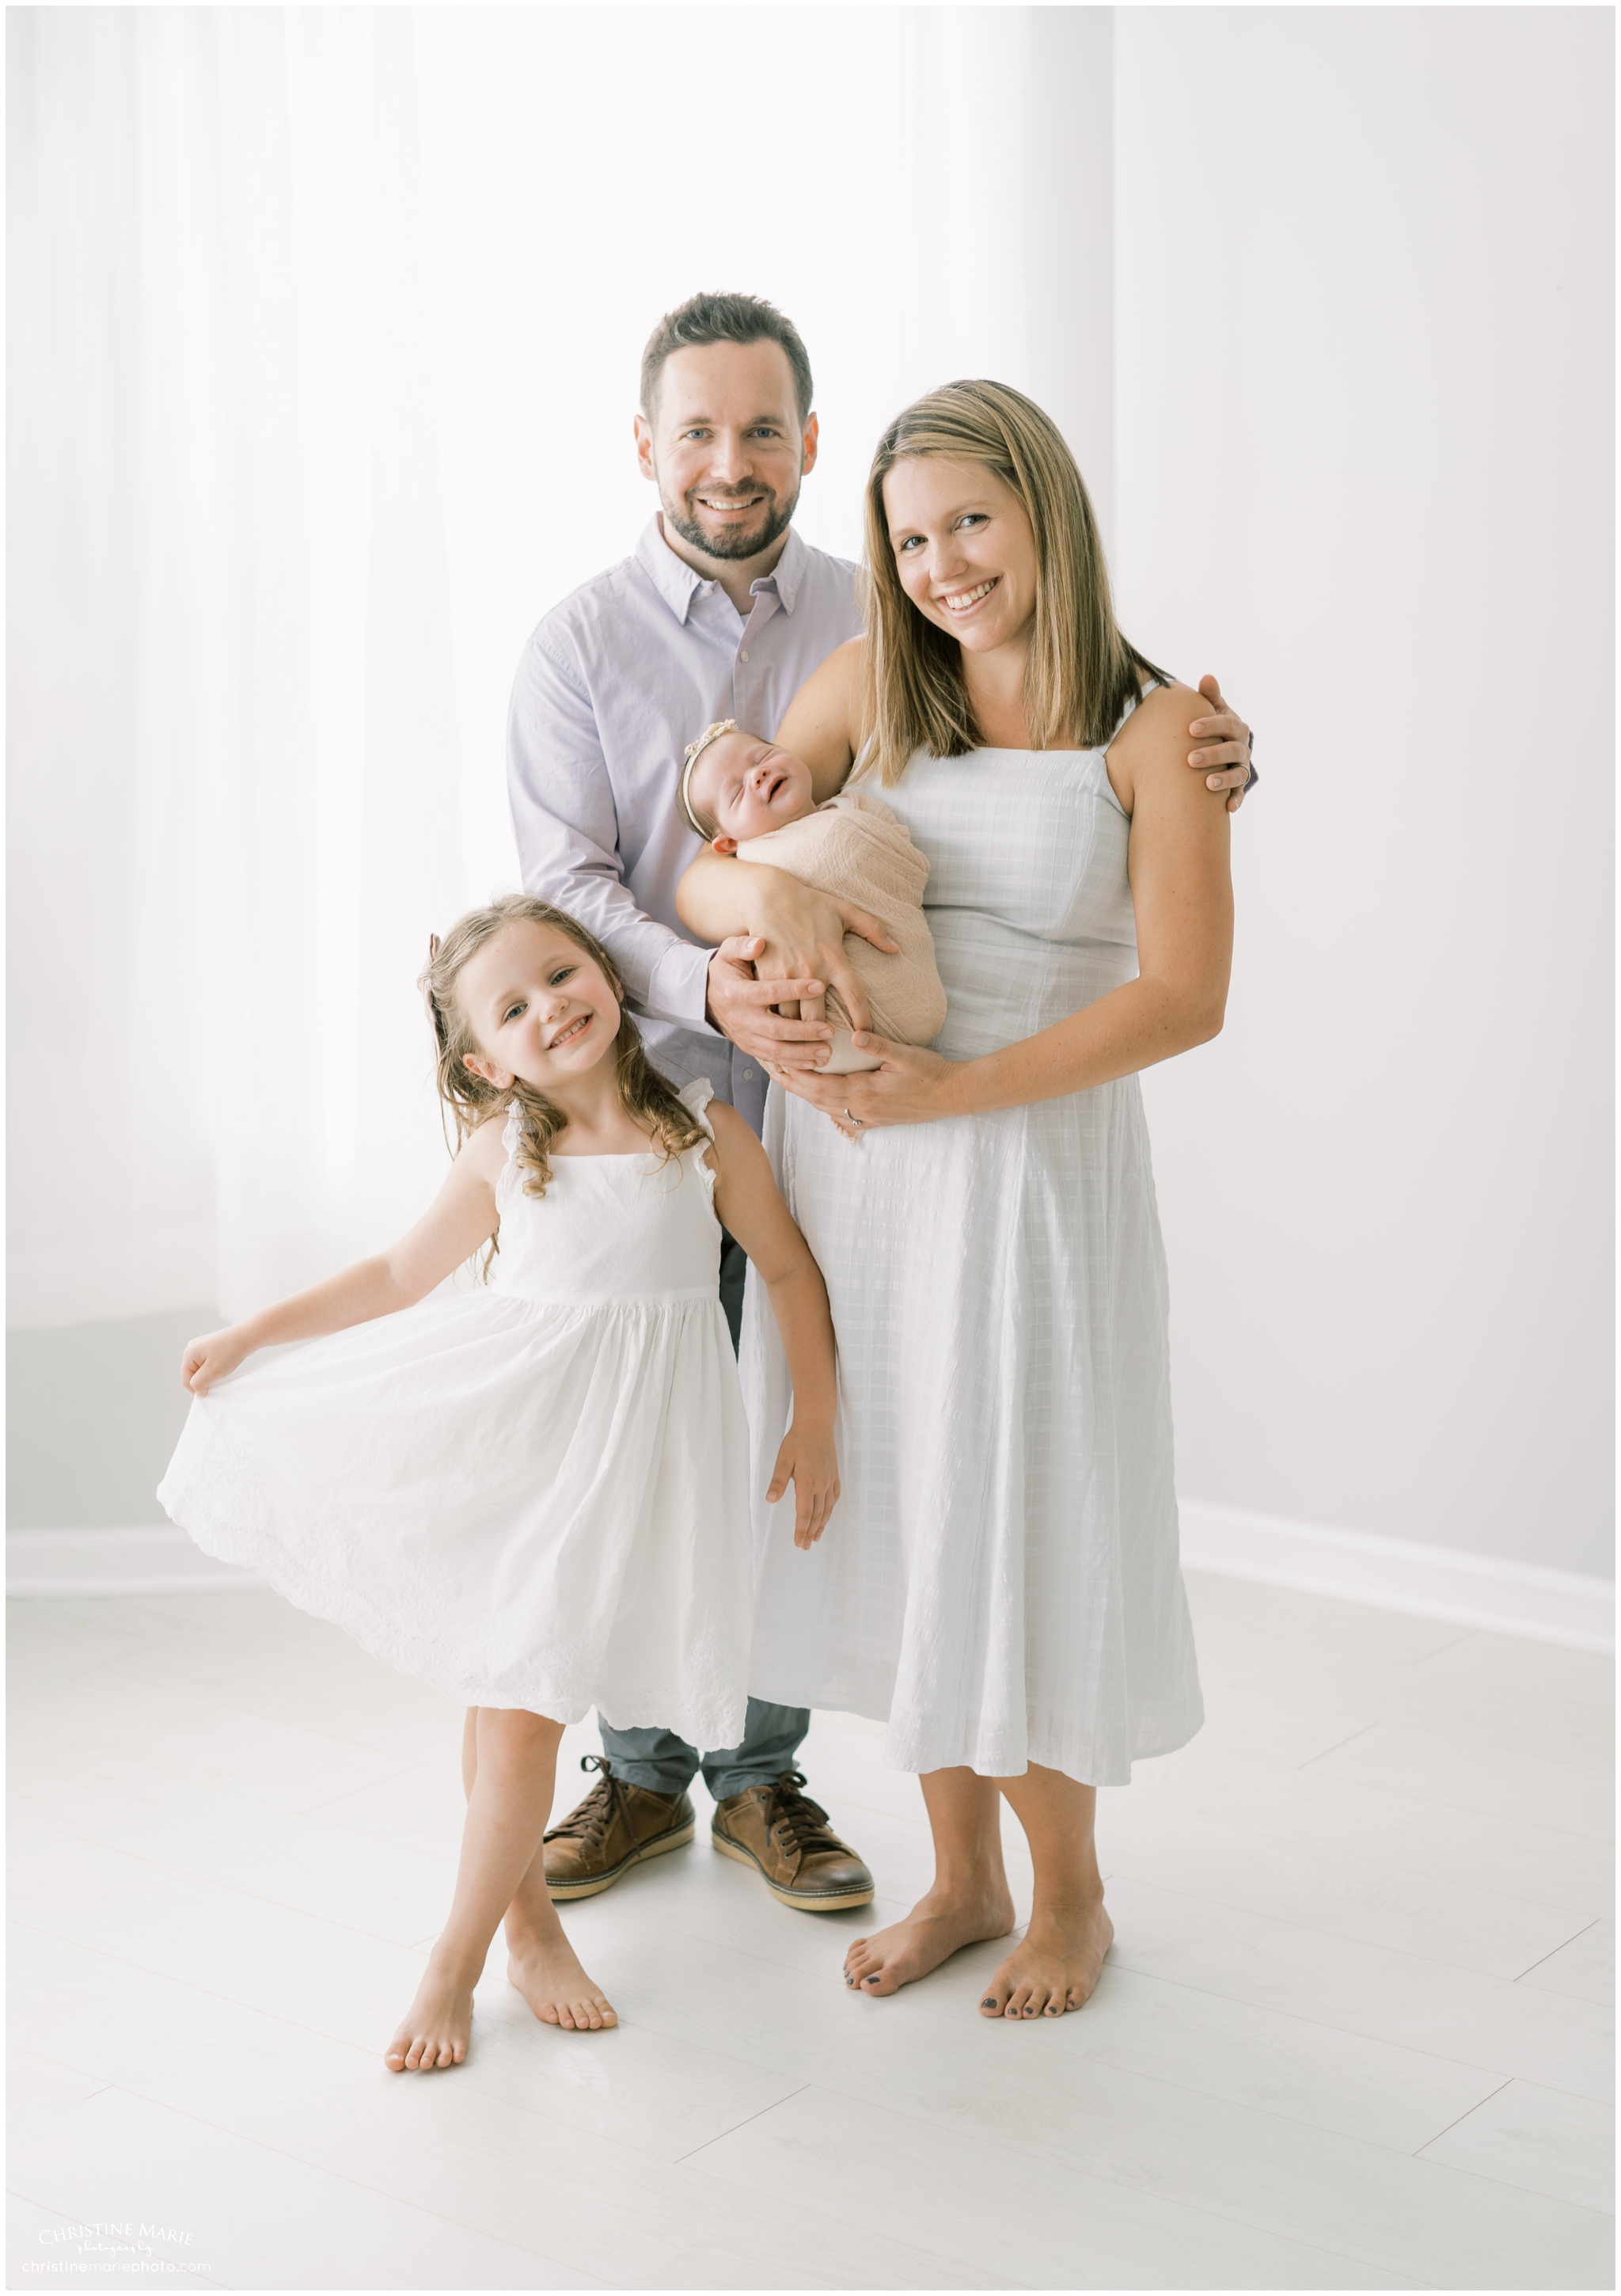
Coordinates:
[325,340]
[324,333]
[552,249]
[1363,379]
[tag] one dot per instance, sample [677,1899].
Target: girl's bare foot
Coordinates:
[1054,1967]
[548,1974]
[437,2025]
[937,1926]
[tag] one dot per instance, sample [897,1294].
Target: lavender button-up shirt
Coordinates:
[613,685]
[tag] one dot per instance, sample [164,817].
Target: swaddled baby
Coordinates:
[746,795]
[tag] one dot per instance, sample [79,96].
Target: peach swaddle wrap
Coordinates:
[854,849]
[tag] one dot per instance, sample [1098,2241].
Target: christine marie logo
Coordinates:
[130,2244]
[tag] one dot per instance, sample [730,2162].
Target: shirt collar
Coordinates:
[789,572]
[672,578]
[678,583]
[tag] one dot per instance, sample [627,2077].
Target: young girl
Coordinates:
[533,1494]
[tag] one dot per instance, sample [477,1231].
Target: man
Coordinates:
[722,612]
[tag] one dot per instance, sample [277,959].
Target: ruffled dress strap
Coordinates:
[511,1140]
[695,1098]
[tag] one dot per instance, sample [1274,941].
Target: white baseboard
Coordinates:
[1393,1574]
[154,1559]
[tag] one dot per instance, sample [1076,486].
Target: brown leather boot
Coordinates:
[788,1839]
[613,1828]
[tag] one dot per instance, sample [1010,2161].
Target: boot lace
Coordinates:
[795,1821]
[591,1820]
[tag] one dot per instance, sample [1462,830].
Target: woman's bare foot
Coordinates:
[548,1975]
[937,1926]
[437,2027]
[1054,1967]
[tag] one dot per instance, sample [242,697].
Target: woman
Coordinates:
[1003,1583]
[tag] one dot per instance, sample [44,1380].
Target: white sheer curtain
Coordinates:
[234,744]
[323,343]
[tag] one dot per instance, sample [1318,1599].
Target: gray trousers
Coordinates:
[658,1759]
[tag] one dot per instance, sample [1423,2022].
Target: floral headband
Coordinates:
[694,750]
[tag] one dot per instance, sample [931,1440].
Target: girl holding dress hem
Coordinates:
[532,1494]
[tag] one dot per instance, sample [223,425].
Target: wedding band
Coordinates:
[856,1121]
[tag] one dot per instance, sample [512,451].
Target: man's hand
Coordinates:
[1225,760]
[805,942]
[805,934]
[743,1008]
[806,1460]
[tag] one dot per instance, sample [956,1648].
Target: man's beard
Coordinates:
[734,542]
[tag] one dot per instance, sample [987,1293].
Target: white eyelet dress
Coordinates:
[1000,1580]
[529,1494]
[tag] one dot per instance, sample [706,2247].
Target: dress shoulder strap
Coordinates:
[695,1098]
[1153,684]
[858,763]
[510,1139]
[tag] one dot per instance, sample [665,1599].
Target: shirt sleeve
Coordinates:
[566,827]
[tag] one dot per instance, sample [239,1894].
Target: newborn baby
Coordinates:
[746,795]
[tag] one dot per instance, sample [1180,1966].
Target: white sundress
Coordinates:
[530,1494]
[1000,1580]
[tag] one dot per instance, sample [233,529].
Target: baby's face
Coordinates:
[748,787]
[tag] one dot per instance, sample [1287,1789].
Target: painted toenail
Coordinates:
[989,2001]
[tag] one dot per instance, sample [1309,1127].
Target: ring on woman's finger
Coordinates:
[856,1121]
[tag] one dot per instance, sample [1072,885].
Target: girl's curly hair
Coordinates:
[471,1100]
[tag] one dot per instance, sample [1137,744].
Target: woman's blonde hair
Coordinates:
[1081,672]
[470,1100]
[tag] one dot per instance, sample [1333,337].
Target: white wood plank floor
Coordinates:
[1354,2032]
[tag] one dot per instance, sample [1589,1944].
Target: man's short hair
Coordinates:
[704,319]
